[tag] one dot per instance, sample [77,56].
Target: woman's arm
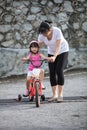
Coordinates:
[44,57]
[58,45]
[40,44]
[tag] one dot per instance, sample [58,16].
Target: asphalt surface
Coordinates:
[69,115]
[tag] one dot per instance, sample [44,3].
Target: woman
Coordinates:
[58,54]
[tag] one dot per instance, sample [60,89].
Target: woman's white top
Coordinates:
[51,44]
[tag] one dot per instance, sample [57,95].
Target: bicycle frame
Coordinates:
[32,87]
[35,86]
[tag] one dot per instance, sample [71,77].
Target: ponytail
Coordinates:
[49,22]
[44,26]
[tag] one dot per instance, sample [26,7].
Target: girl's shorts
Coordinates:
[34,72]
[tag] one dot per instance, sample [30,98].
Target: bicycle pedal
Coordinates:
[25,95]
[44,88]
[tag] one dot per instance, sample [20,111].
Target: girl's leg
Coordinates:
[42,77]
[41,74]
[27,82]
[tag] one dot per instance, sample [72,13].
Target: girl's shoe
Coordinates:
[31,99]
[43,87]
[60,99]
[52,99]
[26,93]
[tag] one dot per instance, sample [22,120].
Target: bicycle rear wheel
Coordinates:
[37,94]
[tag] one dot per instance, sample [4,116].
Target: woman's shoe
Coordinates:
[52,99]
[59,99]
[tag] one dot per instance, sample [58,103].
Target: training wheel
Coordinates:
[43,97]
[19,97]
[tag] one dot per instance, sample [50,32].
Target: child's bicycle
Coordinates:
[35,86]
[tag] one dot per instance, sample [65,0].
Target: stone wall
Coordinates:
[19,21]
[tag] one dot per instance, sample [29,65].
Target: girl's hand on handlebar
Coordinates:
[25,59]
[47,58]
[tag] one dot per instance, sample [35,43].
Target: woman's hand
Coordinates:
[52,58]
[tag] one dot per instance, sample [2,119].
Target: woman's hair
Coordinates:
[33,44]
[44,26]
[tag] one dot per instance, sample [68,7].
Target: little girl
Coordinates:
[35,56]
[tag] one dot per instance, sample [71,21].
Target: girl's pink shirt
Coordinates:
[37,62]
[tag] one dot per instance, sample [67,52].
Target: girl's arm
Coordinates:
[25,58]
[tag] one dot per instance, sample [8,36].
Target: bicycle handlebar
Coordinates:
[31,61]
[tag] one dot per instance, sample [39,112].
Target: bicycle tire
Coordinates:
[37,94]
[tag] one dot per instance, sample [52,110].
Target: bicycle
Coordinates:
[35,86]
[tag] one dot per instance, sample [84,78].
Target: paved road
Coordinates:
[69,115]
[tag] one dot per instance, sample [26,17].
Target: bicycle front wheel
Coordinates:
[37,94]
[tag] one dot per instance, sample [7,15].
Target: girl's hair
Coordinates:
[33,44]
[44,26]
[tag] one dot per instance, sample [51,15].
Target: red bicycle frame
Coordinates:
[32,87]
